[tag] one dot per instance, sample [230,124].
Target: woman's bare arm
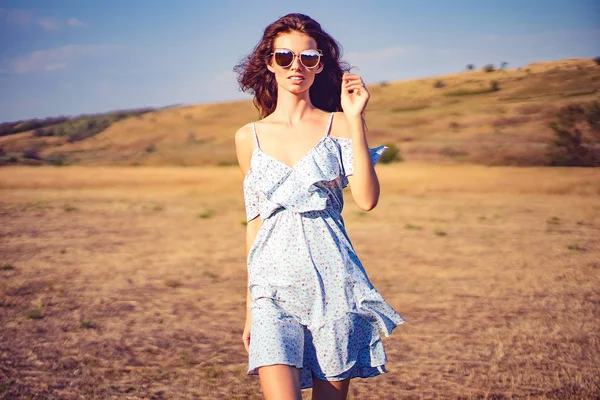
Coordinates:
[244,146]
[364,183]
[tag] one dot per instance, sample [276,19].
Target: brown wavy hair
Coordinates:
[255,78]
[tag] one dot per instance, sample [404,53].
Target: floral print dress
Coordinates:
[313,306]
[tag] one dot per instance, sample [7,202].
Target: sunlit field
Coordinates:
[129,283]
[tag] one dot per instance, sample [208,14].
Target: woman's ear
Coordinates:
[320,67]
[270,68]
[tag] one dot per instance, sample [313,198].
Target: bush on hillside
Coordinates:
[42,132]
[470,67]
[151,148]
[392,154]
[597,60]
[82,128]
[9,128]
[31,153]
[576,141]
[49,125]
[58,159]
[489,68]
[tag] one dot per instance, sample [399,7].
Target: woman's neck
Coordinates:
[292,107]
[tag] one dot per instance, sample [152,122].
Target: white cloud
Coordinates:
[54,67]
[15,17]
[55,59]
[74,22]
[49,23]
[24,18]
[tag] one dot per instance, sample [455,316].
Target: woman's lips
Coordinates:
[296,79]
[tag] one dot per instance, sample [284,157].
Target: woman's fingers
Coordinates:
[351,78]
[357,85]
[246,340]
[352,82]
[355,88]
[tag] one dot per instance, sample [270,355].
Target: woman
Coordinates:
[313,317]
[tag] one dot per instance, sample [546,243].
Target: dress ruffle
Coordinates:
[351,346]
[347,157]
[347,347]
[329,160]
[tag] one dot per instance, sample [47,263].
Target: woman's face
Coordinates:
[296,78]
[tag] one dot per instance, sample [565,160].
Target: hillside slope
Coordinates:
[500,117]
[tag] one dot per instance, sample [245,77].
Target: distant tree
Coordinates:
[489,68]
[503,65]
[470,67]
[597,60]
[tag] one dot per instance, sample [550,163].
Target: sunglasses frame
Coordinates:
[294,55]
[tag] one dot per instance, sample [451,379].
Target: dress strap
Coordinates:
[329,124]
[255,135]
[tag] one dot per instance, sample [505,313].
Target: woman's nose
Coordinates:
[296,64]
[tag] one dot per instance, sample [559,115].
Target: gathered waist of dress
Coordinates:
[326,212]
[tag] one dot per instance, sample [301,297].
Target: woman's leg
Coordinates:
[330,390]
[280,382]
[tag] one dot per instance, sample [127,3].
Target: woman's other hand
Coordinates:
[246,335]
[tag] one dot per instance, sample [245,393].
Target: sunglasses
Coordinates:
[309,58]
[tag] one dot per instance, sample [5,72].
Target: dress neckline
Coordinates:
[290,167]
[305,155]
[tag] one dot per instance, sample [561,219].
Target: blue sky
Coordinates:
[67,57]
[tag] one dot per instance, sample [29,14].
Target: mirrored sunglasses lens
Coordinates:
[310,59]
[284,58]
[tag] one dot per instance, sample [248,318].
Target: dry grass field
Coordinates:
[129,283]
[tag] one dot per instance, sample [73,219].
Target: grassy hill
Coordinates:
[496,118]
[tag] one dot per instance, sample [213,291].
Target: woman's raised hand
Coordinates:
[354,95]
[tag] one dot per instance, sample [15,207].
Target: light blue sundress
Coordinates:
[313,306]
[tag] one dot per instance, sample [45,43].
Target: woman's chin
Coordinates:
[297,89]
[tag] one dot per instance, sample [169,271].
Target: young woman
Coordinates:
[313,318]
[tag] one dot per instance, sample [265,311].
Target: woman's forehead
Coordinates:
[296,41]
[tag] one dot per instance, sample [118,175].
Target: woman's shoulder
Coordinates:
[244,135]
[244,146]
